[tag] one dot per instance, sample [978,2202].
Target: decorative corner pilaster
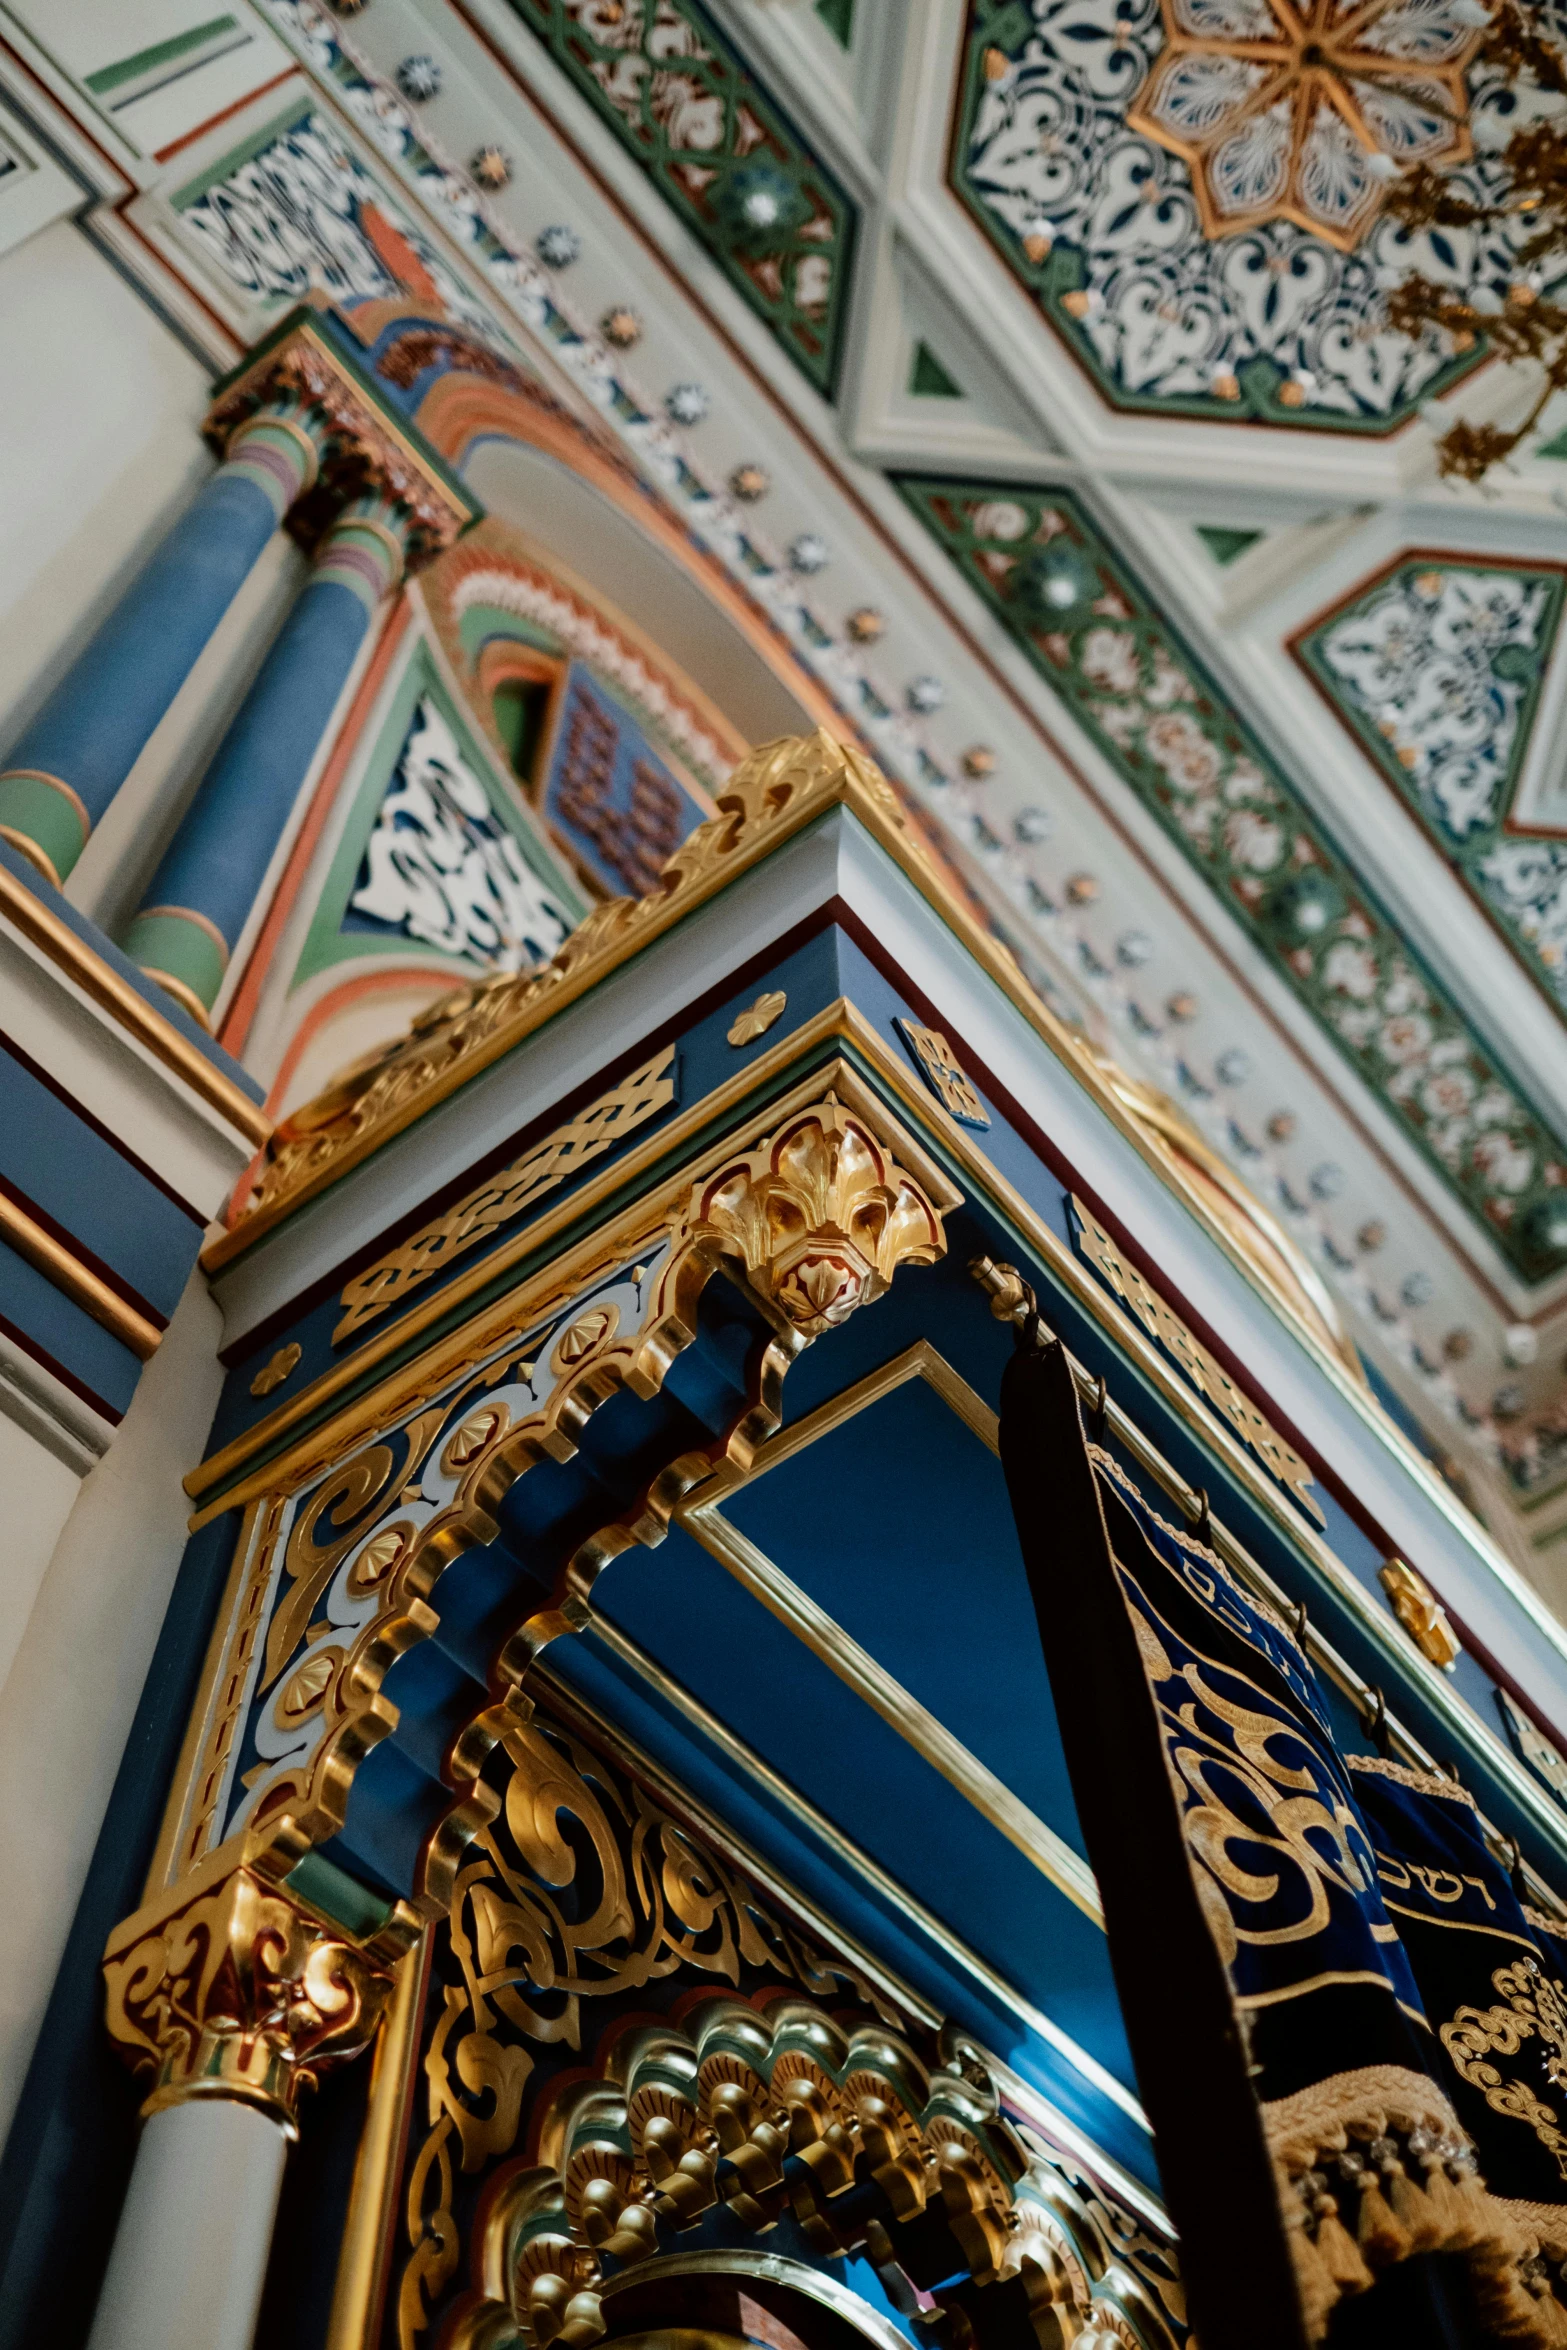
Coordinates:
[820,1214]
[241,1991]
[369,452]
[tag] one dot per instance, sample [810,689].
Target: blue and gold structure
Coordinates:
[614,1691]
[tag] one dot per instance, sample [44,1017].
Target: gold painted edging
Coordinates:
[109,992]
[833,1023]
[373,2213]
[838,1022]
[77,1281]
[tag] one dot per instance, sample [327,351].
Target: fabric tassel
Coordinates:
[1415,2212]
[1452,2208]
[1380,2235]
[1338,2251]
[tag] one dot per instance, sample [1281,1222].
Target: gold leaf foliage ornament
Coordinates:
[240,1993]
[821,1217]
[757,1018]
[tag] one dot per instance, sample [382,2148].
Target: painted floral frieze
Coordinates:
[1151,707]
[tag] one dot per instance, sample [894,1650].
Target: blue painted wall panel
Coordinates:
[68,1338]
[86,1185]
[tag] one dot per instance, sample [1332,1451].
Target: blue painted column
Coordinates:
[73,758]
[202,893]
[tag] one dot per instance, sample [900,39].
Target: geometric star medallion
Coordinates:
[1307,113]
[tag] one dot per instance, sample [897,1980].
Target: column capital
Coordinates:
[370,450]
[241,1990]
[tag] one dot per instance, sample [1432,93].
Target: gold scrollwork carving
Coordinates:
[1205,1372]
[503,1197]
[779,787]
[585,1890]
[1421,1613]
[241,1992]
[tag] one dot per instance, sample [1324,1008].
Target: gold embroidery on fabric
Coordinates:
[1288,1795]
[1404,1873]
[1533,2006]
[1423,1782]
[503,1196]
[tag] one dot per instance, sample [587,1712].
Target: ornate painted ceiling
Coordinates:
[1023,372]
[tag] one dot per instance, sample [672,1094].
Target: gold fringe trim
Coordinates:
[1545,1925]
[1373,2168]
[1423,1782]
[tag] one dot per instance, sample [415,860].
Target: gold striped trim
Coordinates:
[74,1280]
[109,992]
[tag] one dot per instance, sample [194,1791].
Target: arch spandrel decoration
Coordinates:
[633,2069]
[558,1429]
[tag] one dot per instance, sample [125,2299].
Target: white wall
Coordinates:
[69,1699]
[99,450]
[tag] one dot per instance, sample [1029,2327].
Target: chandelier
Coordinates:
[1308,113]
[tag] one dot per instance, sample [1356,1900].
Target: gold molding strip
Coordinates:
[503,1196]
[826,1639]
[111,994]
[77,1281]
[523,1305]
[843,1848]
[859,1671]
[373,2213]
[1206,1374]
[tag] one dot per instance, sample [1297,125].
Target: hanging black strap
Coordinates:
[1186,2041]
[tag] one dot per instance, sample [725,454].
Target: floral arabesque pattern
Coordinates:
[666,81]
[441,868]
[1146,700]
[1437,670]
[1102,226]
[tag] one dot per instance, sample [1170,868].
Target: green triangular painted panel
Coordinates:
[928,379]
[1224,545]
[838,17]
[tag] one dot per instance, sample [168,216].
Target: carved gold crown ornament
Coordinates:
[1308,112]
[820,1215]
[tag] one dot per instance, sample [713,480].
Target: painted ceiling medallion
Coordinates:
[1307,113]
[1195,202]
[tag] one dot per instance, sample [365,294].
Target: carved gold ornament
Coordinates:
[757,1018]
[780,787]
[1421,1613]
[820,1215]
[1306,110]
[944,1073]
[752,2107]
[241,1993]
[498,1202]
[273,1373]
[1205,1372]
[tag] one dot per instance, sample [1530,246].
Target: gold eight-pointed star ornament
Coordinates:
[1308,113]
